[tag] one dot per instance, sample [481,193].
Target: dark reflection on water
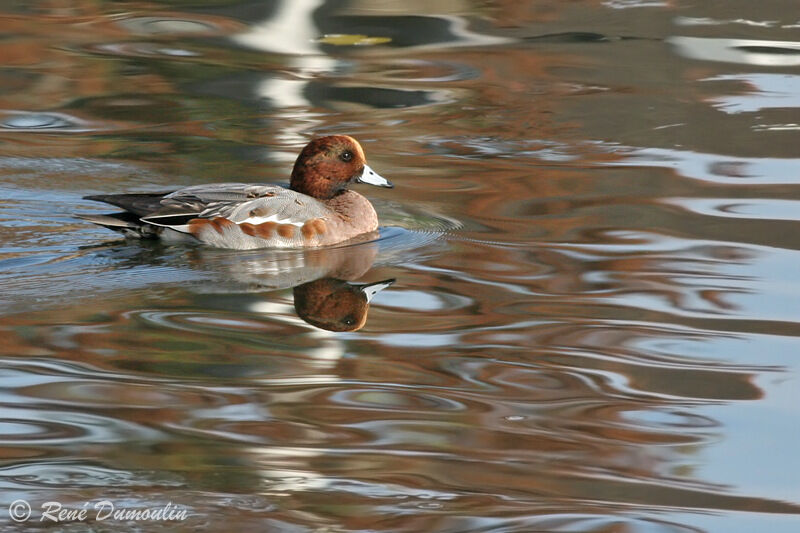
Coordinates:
[593,324]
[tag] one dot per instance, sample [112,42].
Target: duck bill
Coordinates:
[373,178]
[371,289]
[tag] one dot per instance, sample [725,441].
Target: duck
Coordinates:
[318,209]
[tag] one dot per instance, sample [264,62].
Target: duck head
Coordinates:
[327,165]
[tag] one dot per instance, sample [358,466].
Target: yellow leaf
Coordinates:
[340,39]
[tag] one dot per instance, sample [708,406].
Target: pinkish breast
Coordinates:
[354,216]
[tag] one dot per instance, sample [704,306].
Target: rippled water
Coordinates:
[593,319]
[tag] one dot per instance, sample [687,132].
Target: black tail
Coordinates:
[139,204]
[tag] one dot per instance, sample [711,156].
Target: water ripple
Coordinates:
[62,474]
[145,49]
[177,25]
[60,427]
[24,121]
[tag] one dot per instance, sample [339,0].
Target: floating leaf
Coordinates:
[342,39]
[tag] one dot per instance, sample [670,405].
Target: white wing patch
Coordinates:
[272,218]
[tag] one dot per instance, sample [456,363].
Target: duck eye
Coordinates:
[346,156]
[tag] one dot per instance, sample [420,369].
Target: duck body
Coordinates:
[240,216]
[317,209]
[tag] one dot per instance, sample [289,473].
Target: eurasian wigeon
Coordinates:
[316,210]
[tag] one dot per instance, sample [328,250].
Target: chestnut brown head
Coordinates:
[327,165]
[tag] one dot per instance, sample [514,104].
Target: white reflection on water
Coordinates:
[764,91]
[744,208]
[707,21]
[746,51]
[717,168]
[291,30]
[329,347]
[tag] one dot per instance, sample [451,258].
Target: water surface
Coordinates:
[593,324]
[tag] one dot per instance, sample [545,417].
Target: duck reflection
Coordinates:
[335,304]
[324,282]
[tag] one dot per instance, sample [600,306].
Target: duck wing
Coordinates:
[237,202]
